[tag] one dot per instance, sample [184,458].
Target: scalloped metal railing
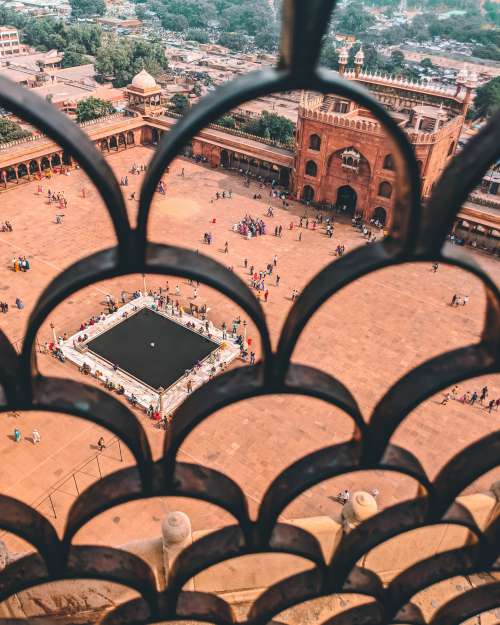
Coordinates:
[417,233]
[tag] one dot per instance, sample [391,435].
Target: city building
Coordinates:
[9,41]
[343,156]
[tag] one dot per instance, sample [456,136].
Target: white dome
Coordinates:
[360,55]
[143,80]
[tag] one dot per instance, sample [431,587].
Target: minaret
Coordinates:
[470,85]
[359,59]
[461,79]
[343,56]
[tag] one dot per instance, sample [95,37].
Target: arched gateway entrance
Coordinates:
[346,196]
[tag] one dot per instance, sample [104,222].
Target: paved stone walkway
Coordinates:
[368,336]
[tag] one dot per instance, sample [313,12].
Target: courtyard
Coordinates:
[368,336]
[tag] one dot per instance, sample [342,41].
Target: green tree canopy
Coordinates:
[121,59]
[87,8]
[10,131]
[93,108]
[227,121]
[72,59]
[267,40]
[271,126]
[198,34]
[233,41]
[355,19]
[180,103]
[487,101]
[177,23]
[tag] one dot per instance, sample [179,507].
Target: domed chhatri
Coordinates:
[144,94]
[144,80]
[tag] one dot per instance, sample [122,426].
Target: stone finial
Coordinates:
[175,528]
[176,535]
[360,507]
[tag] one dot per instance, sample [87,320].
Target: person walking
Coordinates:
[474,397]
[266,295]
[491,405]
[435,267]
[17,435]
[484,394]
[252,358]
[278,278]
[36,436]
[101,444]
[275,260]
[226,247]
[300,237]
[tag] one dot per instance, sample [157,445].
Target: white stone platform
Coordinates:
[145,395]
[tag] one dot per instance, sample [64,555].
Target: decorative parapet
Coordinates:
[383,78]
[344,121]
[239,133]
[484,201]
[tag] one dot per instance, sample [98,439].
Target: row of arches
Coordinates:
[346,200]
[115,142]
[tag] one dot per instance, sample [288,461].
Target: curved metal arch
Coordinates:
[191,606]
[425,573]
[467,605]
[84,562]
[325,464]
[389,523]
[247,382]
[230,542]
[255,84]
[188,480]
[160,259]
[69,136]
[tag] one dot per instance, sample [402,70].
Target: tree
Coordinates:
[72,59]
[10,131]
[121,59]
[93,108]
[267,40]
[233,41]
[197,34]
[140,12]
[426,63]
[329,55]
[227,121]
[87,8]
[355,19]
[271,126]
[177,23]
[180,103]
[487,101]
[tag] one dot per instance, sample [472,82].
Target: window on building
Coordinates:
[385,189]
[314,142]
[389,162]
[311,168]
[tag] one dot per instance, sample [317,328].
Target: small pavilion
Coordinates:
[143,94]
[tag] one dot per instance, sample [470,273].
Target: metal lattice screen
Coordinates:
[417,234]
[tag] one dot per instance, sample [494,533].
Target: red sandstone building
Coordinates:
[343,155]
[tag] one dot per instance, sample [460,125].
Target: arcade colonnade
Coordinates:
[42,158]
[230,157]
[57,160]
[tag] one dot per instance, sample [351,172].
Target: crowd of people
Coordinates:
[471,398]
[250,226]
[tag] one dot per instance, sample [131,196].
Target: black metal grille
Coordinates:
[418,233]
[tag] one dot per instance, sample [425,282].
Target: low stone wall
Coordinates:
[240,581]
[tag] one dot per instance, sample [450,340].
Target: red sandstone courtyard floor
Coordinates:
[367,336]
